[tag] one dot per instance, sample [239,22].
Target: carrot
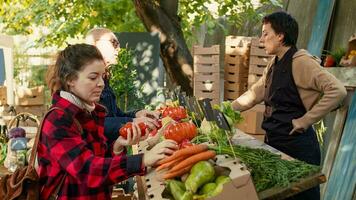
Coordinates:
[170,163]
[206,155]
[180,172]
[185,152]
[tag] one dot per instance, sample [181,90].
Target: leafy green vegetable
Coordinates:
[232,116]
[268,169]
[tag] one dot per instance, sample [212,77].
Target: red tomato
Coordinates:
[180,131]
[329,61]
[128,125]
[176,113]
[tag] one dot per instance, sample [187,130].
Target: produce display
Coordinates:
[189,172]
[180,131]
[176,113]
[201,183]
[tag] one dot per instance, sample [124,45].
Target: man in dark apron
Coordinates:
[291,88]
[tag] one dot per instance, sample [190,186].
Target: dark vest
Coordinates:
[283,104]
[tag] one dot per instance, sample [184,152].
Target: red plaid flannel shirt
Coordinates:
[89,166]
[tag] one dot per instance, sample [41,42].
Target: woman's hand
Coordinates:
[148,113]
[151,123]
[152,141]
[158,152]
[132,138]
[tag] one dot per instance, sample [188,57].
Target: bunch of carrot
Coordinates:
[182,160]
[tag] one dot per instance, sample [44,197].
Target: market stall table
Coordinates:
[148,187]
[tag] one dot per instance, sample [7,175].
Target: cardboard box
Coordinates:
[241,185]
[260,137]
[3,95]
[253,119]
[199,50]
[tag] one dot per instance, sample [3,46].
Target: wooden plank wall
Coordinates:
[303,11]
[342,180]
[343,23]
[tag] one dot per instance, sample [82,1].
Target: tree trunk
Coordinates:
[175,54]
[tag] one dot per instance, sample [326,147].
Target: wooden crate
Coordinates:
[206,86]
[253,119]
[206,59]
[252,79]
[235,86]
[257,51]
[37,110]
[256,69]
[235,76]
[3,95]
[237,45]
[260,60]
[241,60]
[235,68]
[207,72]
[206,68]
[255,42]
[233,90]
[30,96]
[199,50]
[215,77]
[232,95]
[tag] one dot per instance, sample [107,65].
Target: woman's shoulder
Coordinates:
[56,117]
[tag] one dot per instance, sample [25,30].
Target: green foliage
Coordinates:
[71,19]
[242,15]
[123,81]
[337,54]
[65,19]
[226,108]
[26,74]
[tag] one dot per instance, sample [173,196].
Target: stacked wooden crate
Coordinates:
[258,62]
[253,117]
[3,95]
[236,66]
[30,100]
[207,73]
